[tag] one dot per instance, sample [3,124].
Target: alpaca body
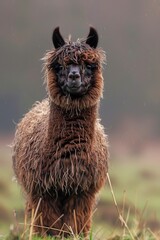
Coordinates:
[60,159]
[57,150]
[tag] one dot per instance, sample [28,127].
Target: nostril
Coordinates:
[77,75]
[74,75]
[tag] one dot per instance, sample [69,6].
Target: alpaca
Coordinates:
[60,150]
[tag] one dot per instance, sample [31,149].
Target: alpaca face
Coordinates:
[74,79]
[74,71]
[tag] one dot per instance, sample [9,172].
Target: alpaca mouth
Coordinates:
[74,89]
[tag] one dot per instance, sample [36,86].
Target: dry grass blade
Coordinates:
[24,227]
[31,225]
[51,227]
[123,207]
[34,215]
[142,214]
[88,220]
[117,208]
[153,234]
[75,221]
[124,201]
[15,221]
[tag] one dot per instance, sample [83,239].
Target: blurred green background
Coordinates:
[130,110]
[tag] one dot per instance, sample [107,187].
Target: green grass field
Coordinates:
[136,186]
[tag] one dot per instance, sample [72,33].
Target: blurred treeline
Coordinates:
[129,33]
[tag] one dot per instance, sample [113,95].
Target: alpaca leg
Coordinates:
[46,217]
[78,214]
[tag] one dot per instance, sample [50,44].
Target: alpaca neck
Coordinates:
[72,123]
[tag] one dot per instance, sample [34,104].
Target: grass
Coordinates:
[128,207]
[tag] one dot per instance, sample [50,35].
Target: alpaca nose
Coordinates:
[74,75]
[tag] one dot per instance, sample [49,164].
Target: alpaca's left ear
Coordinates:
[92,39]
[57,38]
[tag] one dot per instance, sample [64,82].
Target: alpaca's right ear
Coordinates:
[57,38]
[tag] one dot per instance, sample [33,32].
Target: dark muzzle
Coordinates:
[74,79]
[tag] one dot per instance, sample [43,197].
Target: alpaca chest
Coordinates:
[70,165]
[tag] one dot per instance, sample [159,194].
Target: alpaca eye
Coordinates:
[58,67]
[89,66]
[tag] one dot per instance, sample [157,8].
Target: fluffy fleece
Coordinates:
[60,151]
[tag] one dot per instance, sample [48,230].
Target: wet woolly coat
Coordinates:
[60,151]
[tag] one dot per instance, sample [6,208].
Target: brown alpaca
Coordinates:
[60,148]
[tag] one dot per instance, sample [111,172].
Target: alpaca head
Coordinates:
[74,71]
